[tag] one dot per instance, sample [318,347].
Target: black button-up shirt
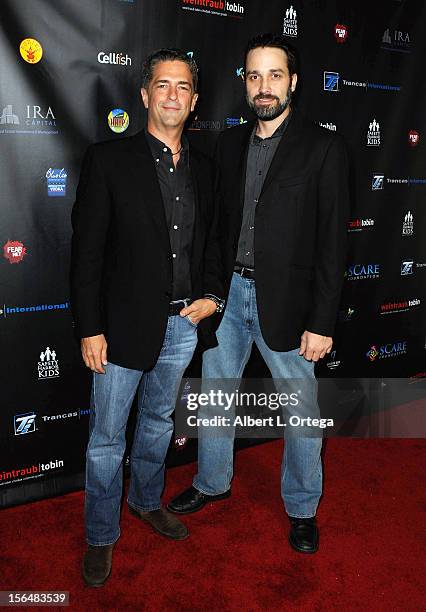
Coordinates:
[179,205]
[259,158]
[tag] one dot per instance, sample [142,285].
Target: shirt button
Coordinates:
[165,149]
[248,253]
[252,227]
[256,201]
[177,198]
[264,146]
[174,255]
[175,227]
[171,170]
[157,160]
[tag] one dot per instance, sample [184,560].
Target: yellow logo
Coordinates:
[31,50]
[118,120]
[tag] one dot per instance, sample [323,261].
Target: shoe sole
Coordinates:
[219,497]
[302,550]
[165,535]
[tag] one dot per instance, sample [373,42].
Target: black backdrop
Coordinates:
[65,66]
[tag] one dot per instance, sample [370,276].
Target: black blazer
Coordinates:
[300,228]
[121,260]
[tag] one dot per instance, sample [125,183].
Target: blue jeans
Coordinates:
[112,398]
[301,474]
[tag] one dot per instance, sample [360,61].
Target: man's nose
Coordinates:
[173,93]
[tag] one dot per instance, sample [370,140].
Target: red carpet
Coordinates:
[372,547]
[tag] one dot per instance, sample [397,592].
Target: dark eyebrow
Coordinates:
[270,70]
[168,81]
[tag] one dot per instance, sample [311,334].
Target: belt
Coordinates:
[176,307]
[245,272]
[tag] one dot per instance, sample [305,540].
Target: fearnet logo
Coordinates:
[31,50]
[340,33]
[118,120]
[14,251]
[413,138]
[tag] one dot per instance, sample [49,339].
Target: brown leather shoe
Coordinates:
[163,522]
[97,563]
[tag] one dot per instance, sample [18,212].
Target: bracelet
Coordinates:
[220,304]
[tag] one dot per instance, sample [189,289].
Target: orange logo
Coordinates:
[31,50]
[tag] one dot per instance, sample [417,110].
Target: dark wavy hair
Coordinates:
[166,55]
[278,41]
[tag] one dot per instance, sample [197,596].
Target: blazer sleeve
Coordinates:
[213,259]
[331,239]
[90,219]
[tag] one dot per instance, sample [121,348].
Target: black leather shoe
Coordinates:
[193,500]
[304,535]
[97,563]
[163,523]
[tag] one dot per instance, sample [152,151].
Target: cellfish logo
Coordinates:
[290,23]
[24,423]
[48,366]
[31,50]
[118,59]
[56,182]
[118,120]
[14,251]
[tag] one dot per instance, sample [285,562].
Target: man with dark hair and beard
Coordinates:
[285,206]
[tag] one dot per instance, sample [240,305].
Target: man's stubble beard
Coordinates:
[271,112]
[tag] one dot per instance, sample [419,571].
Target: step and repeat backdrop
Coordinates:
[70,76]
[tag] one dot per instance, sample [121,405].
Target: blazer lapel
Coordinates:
[284,150]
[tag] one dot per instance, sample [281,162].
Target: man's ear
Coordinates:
[293,82]
[194,102]
[145,97]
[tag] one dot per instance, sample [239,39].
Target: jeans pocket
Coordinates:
[191,322]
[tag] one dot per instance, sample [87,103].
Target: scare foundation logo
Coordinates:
[118,120]
[290,23]
[392,349]
[14,251]
[362,272]
[31,50]
[48,366]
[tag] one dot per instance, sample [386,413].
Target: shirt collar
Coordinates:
[277,134]
[159,149]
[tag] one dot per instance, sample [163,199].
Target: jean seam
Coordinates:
[103,543]
[143,509]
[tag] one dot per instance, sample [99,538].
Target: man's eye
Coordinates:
[253,77]
[276,75]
